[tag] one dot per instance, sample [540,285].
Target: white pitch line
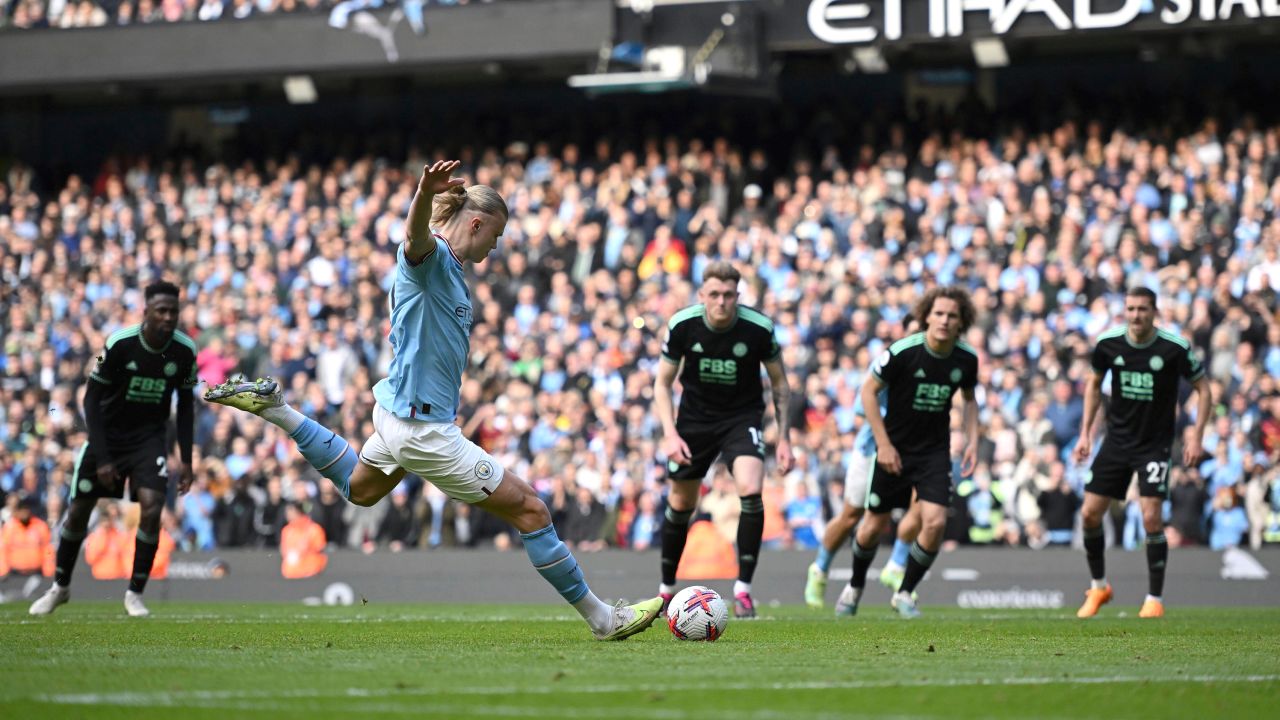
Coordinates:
[172,699]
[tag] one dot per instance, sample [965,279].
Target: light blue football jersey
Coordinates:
[430,337]
[865,441]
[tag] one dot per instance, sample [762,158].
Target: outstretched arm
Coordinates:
[435,179]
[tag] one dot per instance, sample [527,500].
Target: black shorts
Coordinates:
[1114,467]
[727,439]
[145,466]
[929,475]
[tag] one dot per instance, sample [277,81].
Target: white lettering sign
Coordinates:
[850,22]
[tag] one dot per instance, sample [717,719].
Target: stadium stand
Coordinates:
[284,262]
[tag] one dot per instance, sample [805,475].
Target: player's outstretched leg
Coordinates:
[514,501]
[327,452]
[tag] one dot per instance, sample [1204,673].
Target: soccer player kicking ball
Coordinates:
[1145,364]
[126,406]
[718,347]
[417,402]
[921,373]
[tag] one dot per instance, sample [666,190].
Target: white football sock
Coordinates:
[597,614]
[285,417]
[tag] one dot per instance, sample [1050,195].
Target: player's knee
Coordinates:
[533,514]
[363,497]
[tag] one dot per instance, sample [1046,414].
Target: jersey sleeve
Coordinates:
[1189,365]
[190,378]
[1101,358]
[969,379]
[887,366]
[418,274]
[674,346]
[109,369]
[770,347]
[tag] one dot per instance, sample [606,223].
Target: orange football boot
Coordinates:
[1093,600]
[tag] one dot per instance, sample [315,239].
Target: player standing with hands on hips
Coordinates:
[1145,364]
[717,347]
[921,373]
[417,403]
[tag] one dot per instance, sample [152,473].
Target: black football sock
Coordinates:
[918,563]
[1095,544]
[1157,557]
[862,557]
[144,556]
[750,532]
[65,559]
[675,530]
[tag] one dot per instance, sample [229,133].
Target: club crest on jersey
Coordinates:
[484,469]
[740,349]
[955,375]
[86,484]
[1157,362]
[170,369]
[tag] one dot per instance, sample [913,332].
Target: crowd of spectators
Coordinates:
[284,268]
[38,14]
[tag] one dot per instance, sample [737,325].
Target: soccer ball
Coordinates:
[697,613]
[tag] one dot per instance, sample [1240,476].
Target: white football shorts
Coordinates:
[857,478]
[436,452]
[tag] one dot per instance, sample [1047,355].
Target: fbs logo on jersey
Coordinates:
[697,347]
[1119,361]
[131,366]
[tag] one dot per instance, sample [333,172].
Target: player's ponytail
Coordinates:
[480,198]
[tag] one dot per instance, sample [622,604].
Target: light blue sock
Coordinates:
[327,452]
[901,551]
[555,562]
[824,559]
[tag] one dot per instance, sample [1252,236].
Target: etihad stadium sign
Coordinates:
[850,22]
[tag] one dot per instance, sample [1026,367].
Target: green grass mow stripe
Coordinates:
[213,661]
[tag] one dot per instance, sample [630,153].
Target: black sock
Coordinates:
[68,552]
[862,557]
[918,563]
[1095,544]
[144,556]
[675,530]
[1157,557]
[750,533]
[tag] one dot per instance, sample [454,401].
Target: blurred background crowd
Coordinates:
[40,14]
[285,262]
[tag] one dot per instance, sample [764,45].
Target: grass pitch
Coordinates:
[220,661]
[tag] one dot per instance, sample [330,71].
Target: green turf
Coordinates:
[434,661]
